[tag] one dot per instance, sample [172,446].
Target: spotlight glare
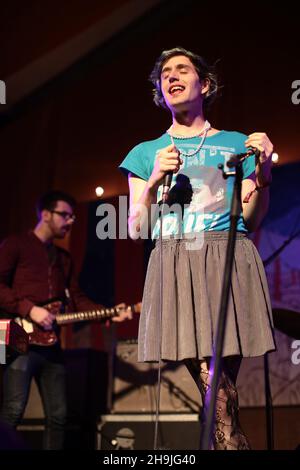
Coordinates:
[99,191]
[275,157]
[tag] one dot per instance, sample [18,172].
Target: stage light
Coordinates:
[99,191]
[275,157]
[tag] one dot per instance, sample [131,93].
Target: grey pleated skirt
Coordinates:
[192,285]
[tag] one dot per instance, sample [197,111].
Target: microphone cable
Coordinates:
[161,214]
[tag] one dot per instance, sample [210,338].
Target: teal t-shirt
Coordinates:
[199,187]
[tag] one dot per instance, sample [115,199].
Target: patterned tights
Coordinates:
[227,434]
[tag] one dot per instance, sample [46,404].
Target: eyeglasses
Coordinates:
[66,215]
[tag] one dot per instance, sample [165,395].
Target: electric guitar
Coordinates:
[39,336]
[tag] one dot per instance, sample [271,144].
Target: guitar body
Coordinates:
[41,337]
[38,335]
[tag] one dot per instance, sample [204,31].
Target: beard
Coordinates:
[60,232]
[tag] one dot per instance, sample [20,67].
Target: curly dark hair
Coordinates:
[205,72]
[49,200]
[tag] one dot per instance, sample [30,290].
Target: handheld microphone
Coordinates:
[238,158]
[166,185]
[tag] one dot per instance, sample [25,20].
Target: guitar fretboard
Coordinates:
[103,313]
[65,318]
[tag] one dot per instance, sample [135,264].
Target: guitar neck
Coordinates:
[101,314]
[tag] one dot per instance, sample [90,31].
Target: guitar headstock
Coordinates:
[136,308]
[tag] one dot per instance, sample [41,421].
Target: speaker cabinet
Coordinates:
[136,431]
[134,385]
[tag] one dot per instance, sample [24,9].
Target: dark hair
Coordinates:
[204,71]
[49,200]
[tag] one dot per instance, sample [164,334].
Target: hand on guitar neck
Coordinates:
[124,313]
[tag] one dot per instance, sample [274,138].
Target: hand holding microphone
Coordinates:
[167,163]
[263,167]
[260,146]
[261,142]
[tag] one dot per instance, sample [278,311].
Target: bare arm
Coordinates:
[142,196]
[255,210]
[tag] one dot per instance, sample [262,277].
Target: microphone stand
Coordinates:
[163,206]
[216,361]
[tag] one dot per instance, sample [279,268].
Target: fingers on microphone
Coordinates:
[171,148]
[256,146]
[171,167]
[173,155]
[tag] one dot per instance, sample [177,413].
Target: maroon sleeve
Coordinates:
[79,299]
[9,256]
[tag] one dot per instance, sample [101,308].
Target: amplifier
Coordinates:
[134,385]
[12,338]
[136,431]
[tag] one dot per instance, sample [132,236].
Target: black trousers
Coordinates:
[45,364]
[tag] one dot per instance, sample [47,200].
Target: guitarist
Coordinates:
[32,270]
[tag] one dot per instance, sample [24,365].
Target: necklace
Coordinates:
[204,130]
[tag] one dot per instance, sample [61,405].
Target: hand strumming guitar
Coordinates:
[42,317]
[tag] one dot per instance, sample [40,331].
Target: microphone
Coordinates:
[166,186]
[238,158]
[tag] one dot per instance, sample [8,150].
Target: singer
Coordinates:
[191,150]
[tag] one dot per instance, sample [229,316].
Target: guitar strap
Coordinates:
[66,278]
[55,257]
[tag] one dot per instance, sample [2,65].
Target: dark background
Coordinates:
[69,122]
[78,99]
